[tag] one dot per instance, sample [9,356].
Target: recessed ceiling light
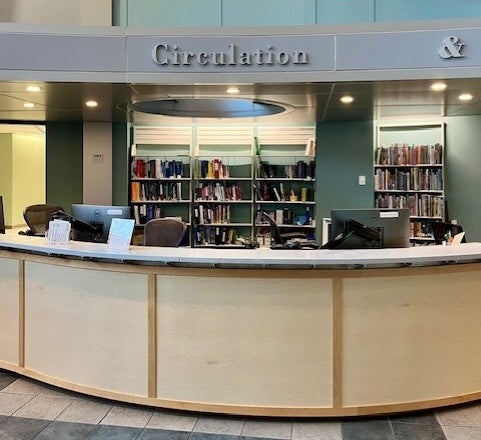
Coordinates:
[33,89]
[232,90]
[465,97]
[347,99]
[28,104]
[438,86]
[91,103]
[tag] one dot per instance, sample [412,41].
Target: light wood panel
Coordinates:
[9,310]
[411,339]
[245,341]
[87,326]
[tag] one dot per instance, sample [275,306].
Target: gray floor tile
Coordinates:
[65,431]
[9,403]
[174,421]
[103,432]
[128,415]
[461,416]
[24,386]
[461,433]
[315,430]
[6,379]
[207,436]
[267,429]
[158,434]
[219,425]
[367,430]
[422,418]
[85,411]
[412,431]
[43,407]
[17,428]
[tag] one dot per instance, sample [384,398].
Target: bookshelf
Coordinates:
[222,187]
[284,184]
[211,177]
[409,173]
[160,175]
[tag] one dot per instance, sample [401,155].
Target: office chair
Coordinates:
[440,229]
[281,240]
[164,232]
[37,218]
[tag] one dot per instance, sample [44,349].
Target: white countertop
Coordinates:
[261,257]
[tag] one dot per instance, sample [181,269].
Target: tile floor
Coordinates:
[30,410]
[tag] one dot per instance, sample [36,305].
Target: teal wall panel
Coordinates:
[413,10]
[174,13]
[120,163]
[344,151]
[462,175]
[345,11]
[64,163]
[268,12]
[119,12]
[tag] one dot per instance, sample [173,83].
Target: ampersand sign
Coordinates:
[452,48]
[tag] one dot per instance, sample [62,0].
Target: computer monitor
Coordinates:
[369,228]
[2,217]
[99,217]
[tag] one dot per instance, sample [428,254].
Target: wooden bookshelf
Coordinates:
[409,173]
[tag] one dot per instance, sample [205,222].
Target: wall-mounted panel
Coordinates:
[268,12]
[414,10]
[192,13]
[345,11]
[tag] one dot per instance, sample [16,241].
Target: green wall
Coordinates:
[226,13]
[120,163]
[64,163]
[462,173]
[344,151]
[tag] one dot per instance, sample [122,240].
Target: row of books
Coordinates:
[214,235]
[212,169]
[145,212]
[403,154]
[158,169]
[301,170]
[218,191]
[421,230]
[287,216]
[419,205]
[416,179]
[155,191]
[208,214]
[270,192]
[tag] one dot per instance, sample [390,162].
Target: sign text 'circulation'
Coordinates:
[165,55]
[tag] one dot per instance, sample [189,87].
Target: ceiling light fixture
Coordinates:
[438,86]
[28,104]
[465,97]
[33,88]
[232,90]
[91,104]
[347,99]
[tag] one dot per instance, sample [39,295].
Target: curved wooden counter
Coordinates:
[251,332]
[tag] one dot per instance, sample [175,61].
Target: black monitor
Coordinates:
[2,217]
[99,218]
[369,228]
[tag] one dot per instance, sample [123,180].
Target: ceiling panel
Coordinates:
[307,102]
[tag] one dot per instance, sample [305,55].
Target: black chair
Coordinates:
[37,218]
[2,217]
[440,229]
[164,232]
[286,240]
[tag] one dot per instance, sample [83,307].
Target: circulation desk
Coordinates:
[248,332]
